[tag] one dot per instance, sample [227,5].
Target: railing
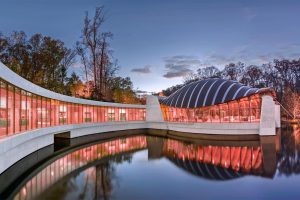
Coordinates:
[25,106]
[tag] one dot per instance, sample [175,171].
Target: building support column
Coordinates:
[277,116]
[267,116]
[153,111]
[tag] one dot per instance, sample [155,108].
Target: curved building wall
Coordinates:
[25,106]
[214,100]
[247,109]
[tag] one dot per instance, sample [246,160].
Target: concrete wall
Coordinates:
[267,118]
[153,111]
[277,116]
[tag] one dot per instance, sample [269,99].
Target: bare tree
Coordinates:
[233,71]
[209,72]
[94,52]
[252,76]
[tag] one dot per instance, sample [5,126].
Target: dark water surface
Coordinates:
[149,167]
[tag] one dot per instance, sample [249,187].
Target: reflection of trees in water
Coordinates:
[96,182]
[102,178]
[289,159]
[61,190]
[105,174]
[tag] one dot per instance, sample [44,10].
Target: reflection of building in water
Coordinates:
[208,161]
[201,160]
[220,161]
[75,160]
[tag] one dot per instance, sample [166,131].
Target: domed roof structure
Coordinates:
[208,92]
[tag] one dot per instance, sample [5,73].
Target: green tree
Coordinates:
[122,90]
[39,59]
[74,86]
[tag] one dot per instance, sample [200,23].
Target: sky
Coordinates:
[158,42]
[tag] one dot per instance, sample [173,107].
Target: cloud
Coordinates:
[217,60]
[180,65]
[143,70]
[180,73]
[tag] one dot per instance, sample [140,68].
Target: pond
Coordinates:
[151,167]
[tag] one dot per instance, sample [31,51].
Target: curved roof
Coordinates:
[208,92]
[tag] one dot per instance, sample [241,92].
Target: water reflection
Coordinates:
[215,162]
[90,172]
[289,157]
[72,162]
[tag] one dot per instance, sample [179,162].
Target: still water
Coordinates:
[148,167]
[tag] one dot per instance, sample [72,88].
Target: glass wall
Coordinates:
[243,110]
[22,111]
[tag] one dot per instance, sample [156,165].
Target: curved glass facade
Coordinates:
[246,109]
[21,111]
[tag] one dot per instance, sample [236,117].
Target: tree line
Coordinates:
[282,75]
[46,62]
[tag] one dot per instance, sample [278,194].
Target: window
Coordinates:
[4,120]
[111,114]
[122,113]
[62,113]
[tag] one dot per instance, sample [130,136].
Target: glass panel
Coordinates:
[39,111]
[87,113]
[17,110]
[122,113]
[244,105]
[4,120]
[34,111]
[224,112]
[44,112]
[10,109]
[29,113]
[80,113]
[53,113]
[94,113]
[111,114]
[23,116]
[75,113]
[117,115]
[62,113]
[234,111]
[69,113]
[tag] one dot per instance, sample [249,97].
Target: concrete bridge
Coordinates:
[31,117]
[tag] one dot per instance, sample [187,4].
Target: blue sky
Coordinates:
[159,41]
